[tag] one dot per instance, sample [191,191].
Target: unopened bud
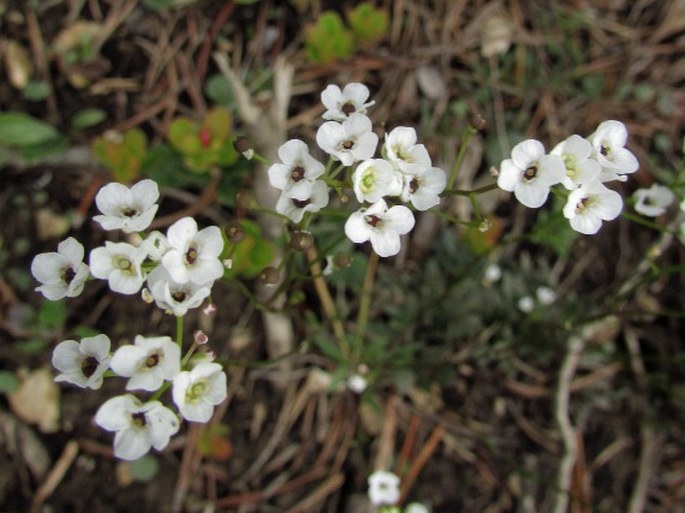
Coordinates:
[269,275]
[209,309]
[342,261]
[235,232]
[477,121]
[242,145]
[301,240]
[200,338]
[147,296]
[244,199]
[484,226]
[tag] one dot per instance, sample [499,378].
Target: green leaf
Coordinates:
[8,382]
[36,90]
[328,347]
[21,130]
[368,23]
[144,469]
[88,117]
[252,254]
[52,314]
[328,39]
[553,231]
[219,90]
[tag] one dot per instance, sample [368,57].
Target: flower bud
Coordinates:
[342,261]
[269,275]
[209,309]
[200,338]
[301,240]
[242,145]
[477,121]
[235,232]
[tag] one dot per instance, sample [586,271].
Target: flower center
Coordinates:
[605,149]
[138,419]
[301,203]
[152,360]
[129,212]
[179,296]
[402,154]
[197,390]
[368,179]
[413,185]
[348,108]
[582,205]
[123,263]
[570,163]
[531,172]
[346,145]
[68,275]
[191,255]
[89,365]
[373,220]
[297,174]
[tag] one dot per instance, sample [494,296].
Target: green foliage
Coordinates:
[19,130]
[207,145]
[36,90]
[144,469]
[250,255]
[87,118]
[368,23]
[328,39]
[552,230]
[8,382]
[123,155]
[52,314]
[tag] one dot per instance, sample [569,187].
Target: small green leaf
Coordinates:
[328,348]
[21,130]
[368,23]
[37,90]
[252,254]
[8,382]
[219,90]
[328,39]
[144,469]
[88,117]
[553,231]
[52,314]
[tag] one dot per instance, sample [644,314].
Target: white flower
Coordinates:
[580,166]
[493,273]
[400,148]
[416,507]
[82,364]
[193,255]
[295,209]
[526,304]
[545,295]
[147,362]
[380,225]
[130,210]
[608,143]
[423,187]
[384,488]
[173,297]
[654,201]
[118,263]
[349,141]
[298,171]
[341,104]
[529,173]
[155,245]
[197,391]
[137,426]
[589,205]
[357,383]
[375,178]
[62,274]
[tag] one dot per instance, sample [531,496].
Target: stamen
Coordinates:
[297,174]
[372,220]
[88,366]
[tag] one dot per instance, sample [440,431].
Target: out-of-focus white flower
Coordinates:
[492,273]
[62,274]
[174,297]
[82,364]
[375,178]
[118,263]
[193,255]
[608,143]
[341,104]
[297,172]
[526,304]
[530,173]
[416,507]
[423,187]
[589,205]
[147,362]
[198,391]
[349,141]
[580,167]
[400,147]
[545,295]
[654,201]
[380,225]
[130,210]
[137,426]
[295,209]
[384,488]
[357,383]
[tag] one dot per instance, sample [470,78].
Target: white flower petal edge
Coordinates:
[380,225]
[193,255]
[654,201]
[130,210]
[198,391]
[349,141]
[608,143]
[384,488]
[294,209]
[589,205]
[82,364]
[148,362]
[62,274]
[340,104]
[120,264]
[138,426]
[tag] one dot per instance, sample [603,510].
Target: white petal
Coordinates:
[356,228]
[113,415]
[509,175]
[112,197]
[385,243]
[145,193]
[127,359]
[531,194]
[72,250]
[131,443]
[527,152]
[181,233]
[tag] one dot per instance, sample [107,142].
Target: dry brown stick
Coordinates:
[424,455]
[408,444]
[203,201]
[319,494]
[386,442]
[206,50]
[55,476]
[189,465]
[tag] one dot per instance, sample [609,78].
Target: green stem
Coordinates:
[179,331]
[463,192]
[644,222]
[365,304]
[468,133]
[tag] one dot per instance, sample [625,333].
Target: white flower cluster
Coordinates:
[384,493]
[581,165]
[179,269]
[403,174]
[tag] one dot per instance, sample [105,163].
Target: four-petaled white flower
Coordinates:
[198,391]
[654,201]
[349,141]
[82,364]
[580,166]
[173,297]
[297,172]
[375,178]
[147,362]
[589,205]
[384,488]
[137,425]
[422,187]
[341,104]
[193,255]
[530,173]
[294,209]
[118,263]
[608,143]
[62,274]
[130,210]
[401,148]
[380,225]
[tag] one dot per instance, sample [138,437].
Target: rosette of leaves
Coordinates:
[122,154]
[368,23]
[205,145]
